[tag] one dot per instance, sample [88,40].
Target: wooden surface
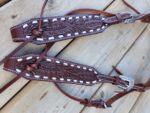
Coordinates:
[2,2]
[126,46]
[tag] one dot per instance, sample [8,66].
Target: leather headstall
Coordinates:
[48,30]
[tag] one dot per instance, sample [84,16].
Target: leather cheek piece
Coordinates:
[52,70]
[59,28]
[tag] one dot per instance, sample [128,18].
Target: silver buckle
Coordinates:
[130,20]
[130,84]
[105,105]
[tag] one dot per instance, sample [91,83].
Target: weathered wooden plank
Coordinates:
[2,2]
[11,14]
[141,5]
[105,48]
[15,16]
[132,65]
[141,67]
[143,104]
[137,58]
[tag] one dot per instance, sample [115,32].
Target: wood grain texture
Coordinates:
[3,2]
[19,11]
[141,72]
[126,46]
[130,68]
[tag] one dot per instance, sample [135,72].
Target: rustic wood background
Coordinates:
[2,2]
[126,46]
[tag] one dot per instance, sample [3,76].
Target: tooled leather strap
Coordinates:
[47,47]
[87,102]
[40,30]
[68,27]
[57,70]
[59,28]
[127,18]
[97,25]
[37,32]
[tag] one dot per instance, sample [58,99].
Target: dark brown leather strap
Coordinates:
[68,27]
[46,30]
[37,33]
[57,70]
[22,45]
[15,51]
[32,67]
[59,28]
[9,84]
[144,17]
[69,72]
[92,11]
[19,35]
[131,7]
[104,104]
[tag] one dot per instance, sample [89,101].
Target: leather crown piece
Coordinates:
[52,29]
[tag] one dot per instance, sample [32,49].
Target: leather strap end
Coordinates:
[118,18]
[17,34]
[95,103]
[2,61]
[146,18]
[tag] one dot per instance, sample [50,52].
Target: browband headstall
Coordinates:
[59,28]
[52,29]
[67,27]
[52,69]
[58,70]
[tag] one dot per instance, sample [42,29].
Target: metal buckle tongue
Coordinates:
[132,19]
[130,84]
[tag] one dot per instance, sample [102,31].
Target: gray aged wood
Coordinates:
[126,46]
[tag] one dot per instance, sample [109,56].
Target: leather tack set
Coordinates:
[76,24]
